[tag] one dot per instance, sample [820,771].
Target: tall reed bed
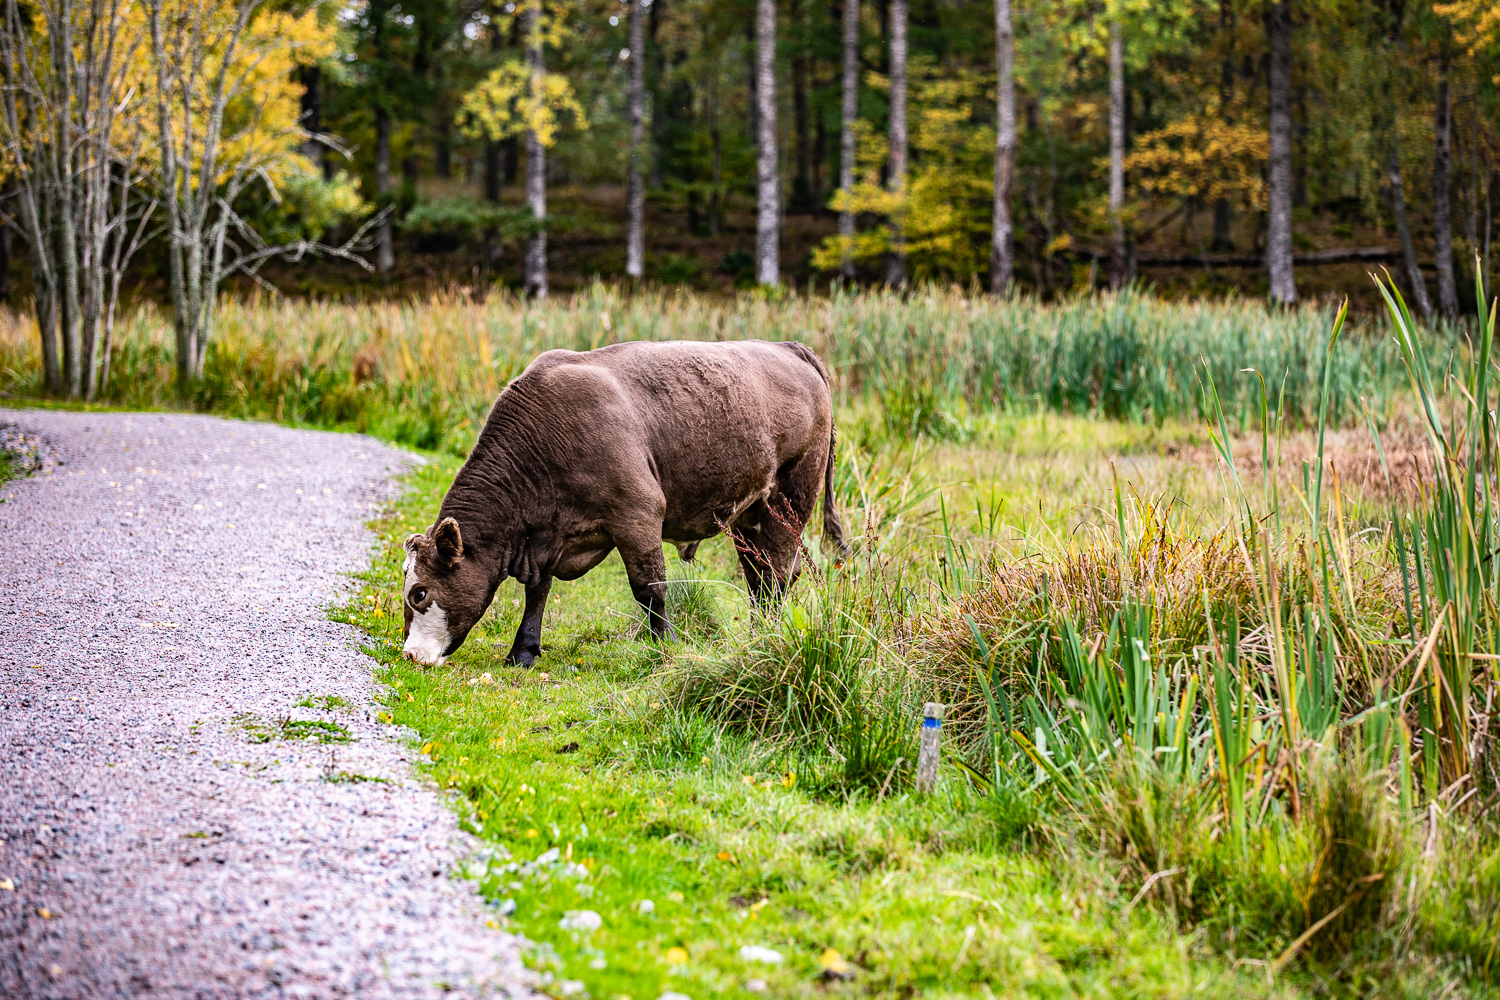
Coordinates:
[1276,716]
[424,372]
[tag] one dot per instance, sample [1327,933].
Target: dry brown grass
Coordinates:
[1167,562]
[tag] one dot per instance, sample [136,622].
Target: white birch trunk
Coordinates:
[1279,219]
[385,251]
[768,195]
[1002,262]
[536,162]
[895,275]
[1116,154]
[635,192]
[848,112]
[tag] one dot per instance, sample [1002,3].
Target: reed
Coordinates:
[424,371]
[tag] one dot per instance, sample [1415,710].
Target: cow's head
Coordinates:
[444,594]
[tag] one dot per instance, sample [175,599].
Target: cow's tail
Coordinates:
[833,528]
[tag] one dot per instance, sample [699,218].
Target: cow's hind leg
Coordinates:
[646,568]
[769,534]
[769,547]
[528,644]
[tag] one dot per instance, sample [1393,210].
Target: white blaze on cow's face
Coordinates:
[427,637]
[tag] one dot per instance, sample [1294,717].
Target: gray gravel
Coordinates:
[162,610]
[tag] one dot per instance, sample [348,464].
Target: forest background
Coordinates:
[1199,146]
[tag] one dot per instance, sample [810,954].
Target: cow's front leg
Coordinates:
[646,568]
[528,644]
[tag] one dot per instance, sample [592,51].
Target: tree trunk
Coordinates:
[1117,250]
[1002,262]
[767,208]
[895,274]
[536,165]
[1442,208]
[848,112]
[1396,191]
[385,253]
[1279,222]
[45,304]
[635,194]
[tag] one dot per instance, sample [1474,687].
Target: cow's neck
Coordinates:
[491,499]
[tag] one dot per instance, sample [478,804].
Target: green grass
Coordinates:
[724,838]
[709,778]
[258,730]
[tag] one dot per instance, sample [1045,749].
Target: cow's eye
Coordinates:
[418,595]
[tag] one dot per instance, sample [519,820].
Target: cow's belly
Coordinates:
[713,519]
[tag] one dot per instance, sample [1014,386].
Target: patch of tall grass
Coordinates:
[424,372]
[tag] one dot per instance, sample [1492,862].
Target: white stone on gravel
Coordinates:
[155,847]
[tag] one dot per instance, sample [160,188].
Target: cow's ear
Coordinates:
[414,542]
[450,544]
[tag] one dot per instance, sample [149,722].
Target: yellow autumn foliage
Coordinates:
[1477,21]
[502,105]
[943,211]
[260,130]
[1202,157]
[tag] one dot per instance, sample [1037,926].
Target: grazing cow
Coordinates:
[623,448]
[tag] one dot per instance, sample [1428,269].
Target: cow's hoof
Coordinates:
[522,657]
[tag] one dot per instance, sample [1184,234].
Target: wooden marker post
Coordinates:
[927,755]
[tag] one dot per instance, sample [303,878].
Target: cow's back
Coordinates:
[710,423]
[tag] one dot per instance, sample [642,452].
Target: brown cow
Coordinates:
[622,448]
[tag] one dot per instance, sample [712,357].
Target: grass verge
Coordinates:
[643,849]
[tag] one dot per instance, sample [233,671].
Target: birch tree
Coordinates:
[72,134]
[1117,252]
[1279,217]
[895,275]
[227,117]
[767,193]
[520,98]
[1001,254]
[536,155]
[635,191]
[848,113]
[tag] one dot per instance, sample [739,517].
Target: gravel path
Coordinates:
[160,619]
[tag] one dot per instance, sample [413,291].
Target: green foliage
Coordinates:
[469,218]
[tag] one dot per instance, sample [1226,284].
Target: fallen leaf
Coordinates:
[834,966]
[7,885]
[44,913]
